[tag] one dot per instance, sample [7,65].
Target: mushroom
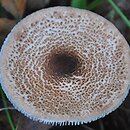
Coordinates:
[63,65]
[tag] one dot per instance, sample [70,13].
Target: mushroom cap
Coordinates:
[63,65]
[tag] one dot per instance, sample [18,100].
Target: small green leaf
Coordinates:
[94,4]
[79,4]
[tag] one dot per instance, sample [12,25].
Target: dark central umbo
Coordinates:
[63,64]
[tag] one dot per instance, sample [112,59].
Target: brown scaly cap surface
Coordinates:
[65,65]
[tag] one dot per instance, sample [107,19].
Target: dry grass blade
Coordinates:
[125,109]
[9,108]
[6,24]
[10,6]
[87,127]
[15,7]
[101,124]
[21,5]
